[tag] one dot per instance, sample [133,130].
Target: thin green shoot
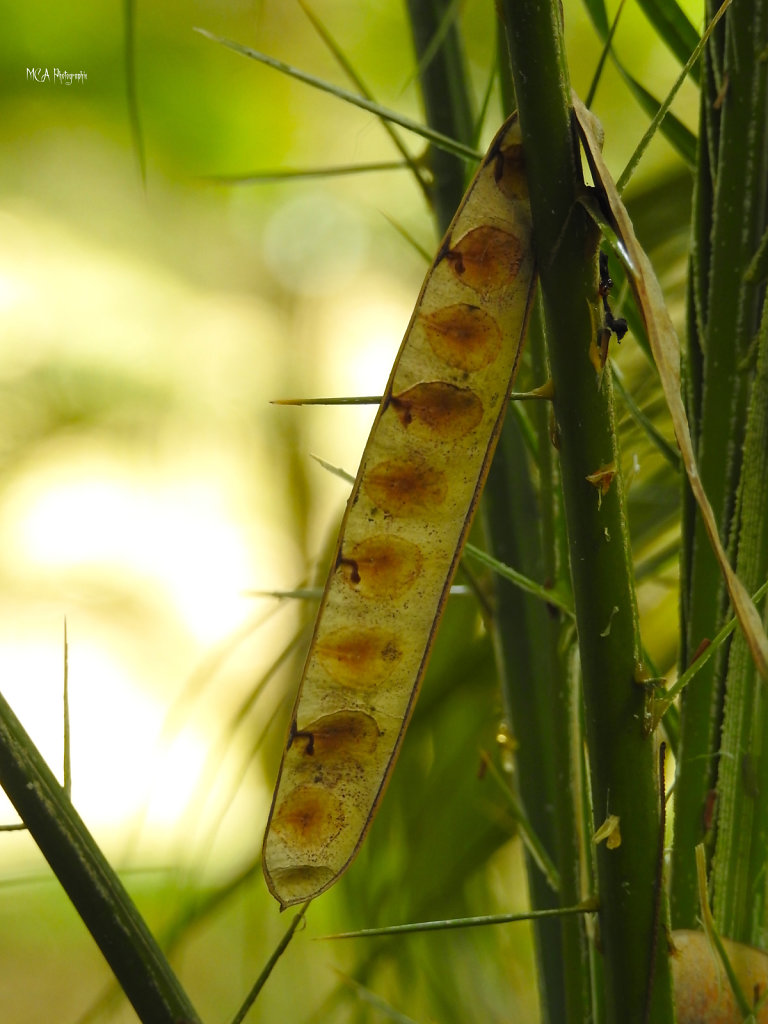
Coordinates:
[374,1000]
[542,393]
[672,455]
[315,593]
[436,138]
[131,92]
[672,26]
[588,906]
[676,132]
[654,564]
[485,103]
[225,744]
[226,748]
[449,15]
[670,22]
[530,839]
[205,673]
[603,56]
[278,951]
[634,160]
[476,590]
[698,663]
[200,842]
[269,177]
[657,899]
[343,400]
[346,66]
[711,932]
[552,596]
[409,239]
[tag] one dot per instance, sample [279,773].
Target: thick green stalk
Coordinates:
[730,216]
[510,518]
[561,700]
[742,835]
[540,689]
[525,528]
[541,704]
[622,760]
[93,887]
[446,95]
[696,769]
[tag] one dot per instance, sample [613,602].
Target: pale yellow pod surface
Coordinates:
[405,524]
[703,994]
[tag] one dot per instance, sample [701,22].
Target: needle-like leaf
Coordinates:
[436,138]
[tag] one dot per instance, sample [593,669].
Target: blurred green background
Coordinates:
[147,487]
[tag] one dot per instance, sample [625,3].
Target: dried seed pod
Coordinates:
[405,525]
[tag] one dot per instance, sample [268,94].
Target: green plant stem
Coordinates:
[91,884]
[729,217]
[622,761]
[446,95]
[540,701]
[131,91]
[696,769]
[742,834]
[465,922]
[269,966]
[525,643]
[739,864]
[539,685]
